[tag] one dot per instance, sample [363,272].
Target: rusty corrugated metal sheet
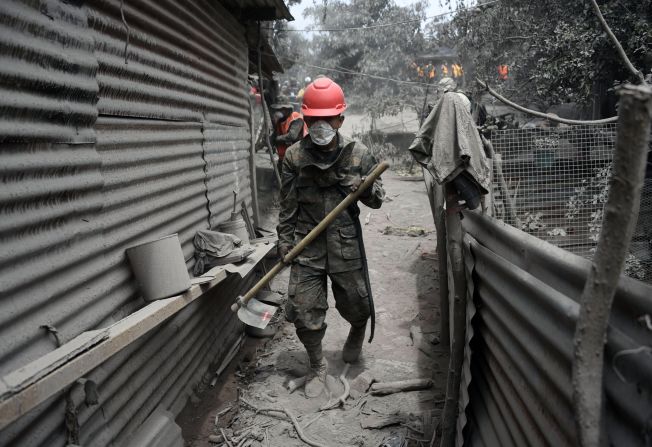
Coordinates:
[175,66]
[521,393]
[47,73]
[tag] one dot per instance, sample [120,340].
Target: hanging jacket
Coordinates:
[503,72]
[448,143]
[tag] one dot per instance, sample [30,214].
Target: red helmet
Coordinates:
[323,98]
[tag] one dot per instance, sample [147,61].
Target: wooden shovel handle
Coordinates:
[321,226]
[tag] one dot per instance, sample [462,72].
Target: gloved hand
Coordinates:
[356,184]
[283,250]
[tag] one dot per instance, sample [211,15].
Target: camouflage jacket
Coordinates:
[313,183]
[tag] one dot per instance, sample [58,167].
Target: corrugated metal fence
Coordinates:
[526,292]
[120,122]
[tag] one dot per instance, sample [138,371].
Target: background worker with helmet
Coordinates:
[318,172]
[306,83]
[288,127]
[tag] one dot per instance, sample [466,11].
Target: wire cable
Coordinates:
[350,72]
[381,25]
[357,73]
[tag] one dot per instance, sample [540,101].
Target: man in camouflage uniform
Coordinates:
[318,172]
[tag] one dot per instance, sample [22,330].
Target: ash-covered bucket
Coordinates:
[159,268]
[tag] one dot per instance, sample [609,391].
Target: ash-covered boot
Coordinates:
[316,380]
[353,345]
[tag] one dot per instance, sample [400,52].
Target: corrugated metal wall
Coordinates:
[526,292]
[47,68]
[160,370]
[182,61]
[114,132]
[50,171]
[226,149]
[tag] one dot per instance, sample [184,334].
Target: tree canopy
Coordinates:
[384,52]
[556,50]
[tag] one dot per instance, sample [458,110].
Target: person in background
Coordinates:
[288,127]
[303,89]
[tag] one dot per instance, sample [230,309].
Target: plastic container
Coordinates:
[160,268]
[236,227]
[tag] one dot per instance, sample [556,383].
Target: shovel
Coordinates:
[257,314]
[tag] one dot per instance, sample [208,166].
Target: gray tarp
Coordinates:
[448,142]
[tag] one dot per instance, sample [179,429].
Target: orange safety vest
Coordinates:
[458,72]
[503,72]
[283,128]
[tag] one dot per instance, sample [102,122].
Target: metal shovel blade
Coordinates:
[256,314]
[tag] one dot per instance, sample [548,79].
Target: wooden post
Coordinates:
[454,246]
[510,206]
[620,216]
[436,197]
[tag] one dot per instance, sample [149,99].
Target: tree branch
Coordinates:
[506,101]
[290,415]
[519,37]
[639,76]
[620,215]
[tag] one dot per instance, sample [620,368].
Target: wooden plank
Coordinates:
[21,378]
[384,388]
[24,389]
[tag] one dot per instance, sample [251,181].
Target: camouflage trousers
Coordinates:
[307,301]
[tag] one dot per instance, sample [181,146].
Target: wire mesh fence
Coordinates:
[558,179]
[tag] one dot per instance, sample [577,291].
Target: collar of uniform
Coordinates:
[342,143]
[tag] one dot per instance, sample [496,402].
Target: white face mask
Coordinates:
[321,133]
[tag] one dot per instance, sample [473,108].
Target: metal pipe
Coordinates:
[252,168]
[264,105]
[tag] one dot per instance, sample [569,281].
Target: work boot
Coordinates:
[316,380]
[353,345]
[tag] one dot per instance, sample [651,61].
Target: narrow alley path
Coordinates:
[400,244]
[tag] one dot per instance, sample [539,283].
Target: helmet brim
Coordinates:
[306,111]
